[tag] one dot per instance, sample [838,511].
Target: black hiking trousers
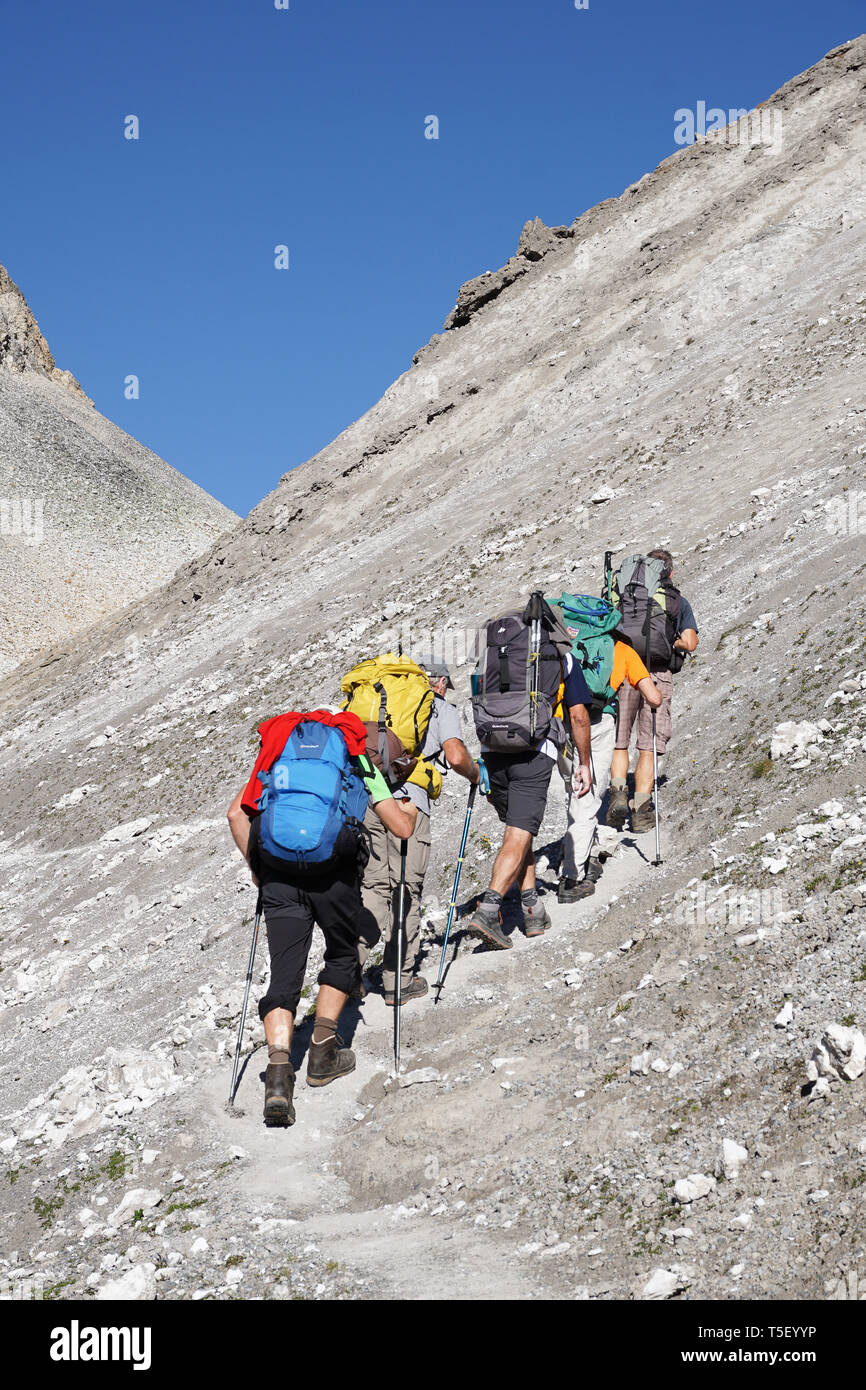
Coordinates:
[293,903]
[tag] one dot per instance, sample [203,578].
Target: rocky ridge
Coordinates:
[89,519]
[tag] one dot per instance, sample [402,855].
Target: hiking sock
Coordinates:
[641,799]
[529,897]
[617,784]
[325,1030]
[277,1056]
[490,903]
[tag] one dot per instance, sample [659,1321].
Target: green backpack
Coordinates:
[590,622]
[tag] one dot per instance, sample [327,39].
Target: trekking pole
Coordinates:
[452,906]
[230,1104]
[533,615]
[398,981]
[658,858]
[608,574]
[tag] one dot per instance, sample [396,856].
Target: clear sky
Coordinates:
[305,127]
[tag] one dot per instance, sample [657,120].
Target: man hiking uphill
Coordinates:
[525,680]
[605,663]
[298,824]
[659,623]
[381,881]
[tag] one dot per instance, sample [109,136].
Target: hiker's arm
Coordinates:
[580,733]
[650,691]
[239,824]
[687,640]
[395,819]
[460,759]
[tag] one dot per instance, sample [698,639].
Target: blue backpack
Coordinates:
[311,794]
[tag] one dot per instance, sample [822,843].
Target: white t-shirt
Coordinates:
[444,724]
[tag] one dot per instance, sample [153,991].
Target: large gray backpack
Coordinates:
[650,607]
[518,679]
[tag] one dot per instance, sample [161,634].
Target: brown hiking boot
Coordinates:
[416,989]
[643,818]
[279,1112]
[536,919]
[488,929]
[571,890]
[328,1061]
[617,809]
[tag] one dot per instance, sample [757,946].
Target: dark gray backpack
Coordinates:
[650,608]
[518,681]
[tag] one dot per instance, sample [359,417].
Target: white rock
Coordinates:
[733,1157]
[96,964]
[693,1188]
[792,737]
[137,1283]
[140,1198]
[660,1064]
[419,1076]
[663,1283]
[150,1156]
[199,1246]
[820,1196]
[841,1052]
[743,1221]
[640,1064]
[121,834]
[775,866]
[675,1069]
[785,1015]
[604,494]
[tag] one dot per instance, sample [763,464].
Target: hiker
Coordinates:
[380,885]
[526,679]
[301,836]
[605,663]
[662,634]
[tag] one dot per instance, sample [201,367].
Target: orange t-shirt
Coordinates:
[627,666]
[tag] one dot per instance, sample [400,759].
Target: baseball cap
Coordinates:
[436,670]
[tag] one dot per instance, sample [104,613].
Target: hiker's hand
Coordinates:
[581,780]
[483,783]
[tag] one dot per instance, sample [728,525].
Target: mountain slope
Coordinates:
[696,349]
[91,520]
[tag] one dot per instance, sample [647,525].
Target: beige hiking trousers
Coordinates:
[380,890]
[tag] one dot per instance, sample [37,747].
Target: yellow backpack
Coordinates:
[393,691]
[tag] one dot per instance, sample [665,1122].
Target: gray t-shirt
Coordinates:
[444,724]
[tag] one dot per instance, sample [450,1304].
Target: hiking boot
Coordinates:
[279,1112]
[327,1061]
[536,919]
[416,989]
[617,809]
[488,929]
[643,818]
[594,869]
[571,890]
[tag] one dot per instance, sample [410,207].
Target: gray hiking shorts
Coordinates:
[518,787]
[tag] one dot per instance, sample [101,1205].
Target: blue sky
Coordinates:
[305,127]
